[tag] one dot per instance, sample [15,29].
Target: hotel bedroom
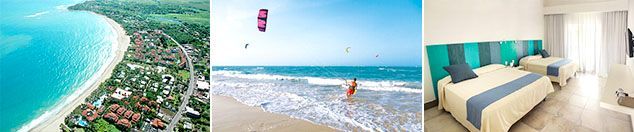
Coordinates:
[528,65]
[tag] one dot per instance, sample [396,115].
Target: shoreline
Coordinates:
[53,122]
[240,117]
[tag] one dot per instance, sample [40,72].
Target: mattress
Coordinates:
[500,114]
[543,66]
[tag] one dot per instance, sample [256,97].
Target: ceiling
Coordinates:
[571,2]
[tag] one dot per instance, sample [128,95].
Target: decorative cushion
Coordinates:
[544,54]
[460,72]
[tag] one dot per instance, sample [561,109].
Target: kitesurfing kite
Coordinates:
[262,15]
[246,45]
[348,50]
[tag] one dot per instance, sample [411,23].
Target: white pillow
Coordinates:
[534,57]
[527,59]
[488,68]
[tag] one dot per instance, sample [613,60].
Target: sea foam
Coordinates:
[395,86]
[37,14]
[379,105]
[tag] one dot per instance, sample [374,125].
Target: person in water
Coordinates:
[352,87]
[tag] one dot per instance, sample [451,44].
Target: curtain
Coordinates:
[593,40]
[554,35]
[614,25]
[582,37]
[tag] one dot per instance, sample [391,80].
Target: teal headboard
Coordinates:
[477,54]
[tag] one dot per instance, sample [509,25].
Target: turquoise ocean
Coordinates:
[48,55]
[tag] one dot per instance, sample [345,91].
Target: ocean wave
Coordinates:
[392,89]
[63,7]
[37,14]
[332,113]
[394,69]
[367,112]
[393,86]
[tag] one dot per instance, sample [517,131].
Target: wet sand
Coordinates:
[230,115]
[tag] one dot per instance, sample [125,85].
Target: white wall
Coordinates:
[458,21]
[601,6]
[455,21]
[429,90]
[630,14]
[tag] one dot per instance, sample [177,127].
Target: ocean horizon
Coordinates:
[48,56]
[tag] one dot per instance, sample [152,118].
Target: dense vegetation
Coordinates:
[182,20]
[103,125]
[186,21]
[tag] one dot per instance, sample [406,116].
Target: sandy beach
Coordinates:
[230,115]
[52,123]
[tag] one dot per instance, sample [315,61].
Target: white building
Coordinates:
[202,85]
[168,79]
[191,111]
[166,92]
[120,94]
[159,99]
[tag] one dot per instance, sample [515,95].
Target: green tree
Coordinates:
[102,125]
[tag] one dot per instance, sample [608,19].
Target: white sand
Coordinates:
[52,123]
[230,115]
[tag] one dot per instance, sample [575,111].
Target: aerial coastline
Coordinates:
[53,120]
[158,80]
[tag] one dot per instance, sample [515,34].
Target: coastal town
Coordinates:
[162,83]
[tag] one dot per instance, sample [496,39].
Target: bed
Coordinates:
[473,102]
[557,69]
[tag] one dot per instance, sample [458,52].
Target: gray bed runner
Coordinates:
[553,69]
[477,103]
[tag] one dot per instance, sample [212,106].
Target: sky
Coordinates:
[317,32]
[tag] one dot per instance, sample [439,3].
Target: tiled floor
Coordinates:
[575,107]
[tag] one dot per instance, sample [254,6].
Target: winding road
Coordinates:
[190,90]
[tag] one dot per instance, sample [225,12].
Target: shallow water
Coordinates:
[46,53]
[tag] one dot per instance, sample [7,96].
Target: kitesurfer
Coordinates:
[352,88]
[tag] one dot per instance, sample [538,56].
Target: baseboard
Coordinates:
[431,104]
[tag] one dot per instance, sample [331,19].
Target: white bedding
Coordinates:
[537,64]
[500,115]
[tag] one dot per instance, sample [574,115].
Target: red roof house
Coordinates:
[124,122]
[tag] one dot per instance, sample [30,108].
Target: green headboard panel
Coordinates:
[477,54]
